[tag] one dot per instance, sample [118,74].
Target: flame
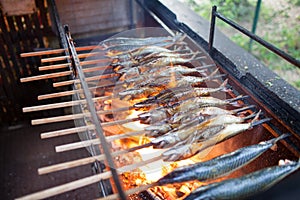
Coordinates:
[135,126]
[154,171]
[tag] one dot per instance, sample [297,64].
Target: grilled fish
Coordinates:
[114,41]
[211,111]
[245,186]
[219,166]
[186,150]
[161,113]
[203,130]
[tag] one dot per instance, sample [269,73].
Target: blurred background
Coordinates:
[278,22]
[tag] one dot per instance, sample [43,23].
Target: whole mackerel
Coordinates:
[220,165]
[245,186]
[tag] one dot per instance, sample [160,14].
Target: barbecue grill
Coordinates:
[91,124]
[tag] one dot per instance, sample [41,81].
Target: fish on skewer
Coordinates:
[123,49]
[160,128]
[203,130]
[187,149]
[219,166]
[161,113]
[182,50]
[114,41]
[163,72]
[247,185]
[211,111]
[139,61]
[157,63]
[161,82]
[180,93]
[140,73]
[137,51]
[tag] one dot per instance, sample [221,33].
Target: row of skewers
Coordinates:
[164,78]
[180,112]
[183,118]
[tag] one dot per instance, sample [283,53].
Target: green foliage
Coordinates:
[296,84]
[295,2]
[285,36]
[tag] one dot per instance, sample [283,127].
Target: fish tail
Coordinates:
[204,67]
[243,109]
[250,116]
[240,97]
[223,85]
[274,140]
[259,122]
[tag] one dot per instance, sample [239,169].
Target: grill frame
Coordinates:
[220,62]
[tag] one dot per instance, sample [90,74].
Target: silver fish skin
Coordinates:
[186,150]
[219,166]
[245,186]
[173,137]
[140,41]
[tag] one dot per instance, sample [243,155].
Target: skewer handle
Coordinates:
[84,182]
[55,51]
[46,76]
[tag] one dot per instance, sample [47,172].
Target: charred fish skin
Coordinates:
[219,166]
[245,186]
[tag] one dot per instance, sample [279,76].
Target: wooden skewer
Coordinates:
[56,51]
[46,76]
[53,59]
[60,58]
[77,145]
[68,131]
[61,94]
[58,94]
[59,118]
[86,143]
[70,117]
[73,116]
[65,65]
[67,93]
[88,79]
[129,192]
[83,182]
[62,104]
[79,129]
[83,161]
[57,66]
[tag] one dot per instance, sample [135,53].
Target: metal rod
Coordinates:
[57,24]
[255,20]
[266,44]
[95,117]
[212,29]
